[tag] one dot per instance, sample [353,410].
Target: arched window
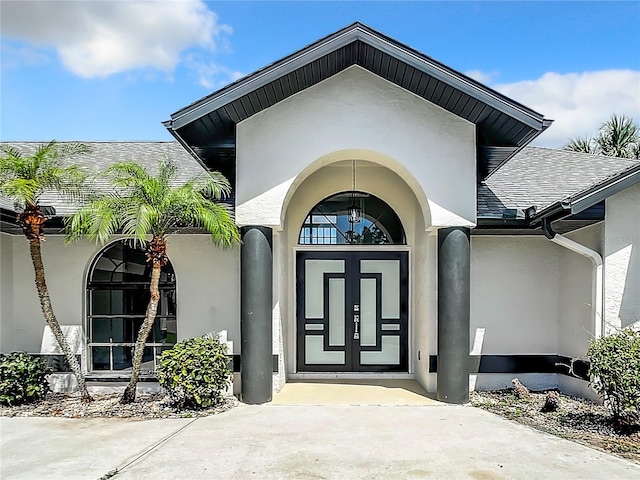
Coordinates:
[352,218]
[117,298]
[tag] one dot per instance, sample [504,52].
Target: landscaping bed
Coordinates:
[146,406]
[575,419]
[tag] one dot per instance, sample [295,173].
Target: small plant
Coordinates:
[615,368]
[195,372]
[23,378]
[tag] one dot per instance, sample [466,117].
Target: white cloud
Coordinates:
[100,38]
[211,75]
[578,102]
[482,77]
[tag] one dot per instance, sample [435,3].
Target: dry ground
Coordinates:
[576,419]
[146,406]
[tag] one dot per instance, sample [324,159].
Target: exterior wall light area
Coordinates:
[354,213]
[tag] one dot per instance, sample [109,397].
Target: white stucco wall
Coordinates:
[425,294]
[622,259]
[576,325]
[65,269]
[532,296]
[356,115]
[6,290]
[514,294]
[208,288]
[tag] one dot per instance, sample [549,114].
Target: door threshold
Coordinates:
[350,376]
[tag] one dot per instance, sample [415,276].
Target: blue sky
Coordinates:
[96,70]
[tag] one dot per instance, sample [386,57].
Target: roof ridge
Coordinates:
[581,154]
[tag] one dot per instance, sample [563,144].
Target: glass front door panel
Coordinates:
[315,354]
[390,271]
[314,279]
[352,310]
[368,312]
[324,312]
[389,354]
[336,312]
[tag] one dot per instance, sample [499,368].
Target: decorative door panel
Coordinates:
[352,311]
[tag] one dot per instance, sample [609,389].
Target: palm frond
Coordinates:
[217,219]
[617,136]
[97,220]
[581,144]
[25,178]
[154,205]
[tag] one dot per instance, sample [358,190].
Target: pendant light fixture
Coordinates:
[354,211]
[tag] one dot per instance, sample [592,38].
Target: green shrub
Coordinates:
[23,378]
[615,367]
[195,372]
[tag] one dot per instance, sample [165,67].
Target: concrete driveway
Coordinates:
[300,442]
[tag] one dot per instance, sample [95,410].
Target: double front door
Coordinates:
[352,310]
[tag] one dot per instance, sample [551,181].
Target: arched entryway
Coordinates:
[117,298]
[352,295]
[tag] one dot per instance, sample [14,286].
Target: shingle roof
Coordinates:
[539,177]
[534,177]
[107,153]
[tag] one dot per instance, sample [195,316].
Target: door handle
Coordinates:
[356,323]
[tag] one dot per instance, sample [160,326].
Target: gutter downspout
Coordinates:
[596,279]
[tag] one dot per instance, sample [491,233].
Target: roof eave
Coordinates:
[344,37]
[590,196]
[598,193]
[546,123]
[185,145]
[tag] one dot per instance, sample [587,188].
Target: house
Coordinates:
[394,221]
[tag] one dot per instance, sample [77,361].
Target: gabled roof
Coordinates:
[207,126]
[542,177]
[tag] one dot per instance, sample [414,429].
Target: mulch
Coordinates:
[576,419]
[146,406]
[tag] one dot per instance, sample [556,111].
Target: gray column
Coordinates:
[453,314]
[256,267]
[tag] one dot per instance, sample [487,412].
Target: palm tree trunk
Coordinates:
[150,315]
[47,311]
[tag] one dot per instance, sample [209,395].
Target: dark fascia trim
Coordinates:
[546,123]
[515,364]
[185,145]
[54,225]
[347,35]
[589,196]
[9,216]
[601,192]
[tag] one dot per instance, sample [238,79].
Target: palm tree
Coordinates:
[145,205]
[619,136]
[24,178]
[581,144]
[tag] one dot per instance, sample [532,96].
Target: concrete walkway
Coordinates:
[300,442]
[353,392]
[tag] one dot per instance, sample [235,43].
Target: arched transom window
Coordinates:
[352,218]
[117,298]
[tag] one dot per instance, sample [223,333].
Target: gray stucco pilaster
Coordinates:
[454,281]
[256,267]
